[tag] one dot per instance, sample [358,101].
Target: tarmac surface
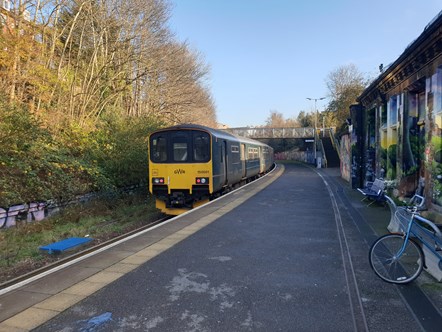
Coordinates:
[288,252]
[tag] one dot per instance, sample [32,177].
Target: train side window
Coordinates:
[235,154]
[253,153]
[159,149]
[201,147]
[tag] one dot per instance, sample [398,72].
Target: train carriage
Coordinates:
[189,164]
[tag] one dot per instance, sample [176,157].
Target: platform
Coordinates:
[288,252]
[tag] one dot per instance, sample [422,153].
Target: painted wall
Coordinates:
[408,139]
[345,155]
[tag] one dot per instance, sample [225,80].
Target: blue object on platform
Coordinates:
[57,247]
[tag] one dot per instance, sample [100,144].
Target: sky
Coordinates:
[271,55]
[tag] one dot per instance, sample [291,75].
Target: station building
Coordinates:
[397,123]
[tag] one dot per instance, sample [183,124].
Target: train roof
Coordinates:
[191,126]
[215,132]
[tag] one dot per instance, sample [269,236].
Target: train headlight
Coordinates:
[202,180]
[158,180]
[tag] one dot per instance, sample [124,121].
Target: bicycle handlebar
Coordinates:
[414,210]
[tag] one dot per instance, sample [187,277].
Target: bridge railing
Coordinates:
[335,141]
[273,132]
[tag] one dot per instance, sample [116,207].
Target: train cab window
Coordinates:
[180,146]
[201,147]
[159,149]
[180,152]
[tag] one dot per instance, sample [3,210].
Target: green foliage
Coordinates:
[436,141]
[383,158]
[26,168]
[119,148]
[36,165]
[99,220]
[391,162]
[345,85]
[436,169]
[306,119]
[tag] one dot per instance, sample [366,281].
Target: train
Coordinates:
[191,164]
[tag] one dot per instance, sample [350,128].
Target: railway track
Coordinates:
[75,257]
[83,254]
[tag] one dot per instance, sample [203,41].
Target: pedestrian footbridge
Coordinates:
[269,133]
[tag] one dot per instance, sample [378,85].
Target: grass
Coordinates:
[432,286]
[100,220]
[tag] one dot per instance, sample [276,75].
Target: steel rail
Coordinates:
[75,256]
[48,269]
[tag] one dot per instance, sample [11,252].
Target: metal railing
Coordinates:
[335,142]
[273,132]
[324,156]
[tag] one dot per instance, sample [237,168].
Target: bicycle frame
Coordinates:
[414,243]
[407,236]
[423,234]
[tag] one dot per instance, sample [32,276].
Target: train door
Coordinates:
[222,163]
[243,160]
[261,160]
[226,162]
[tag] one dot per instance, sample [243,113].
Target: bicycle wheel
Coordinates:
[392,268]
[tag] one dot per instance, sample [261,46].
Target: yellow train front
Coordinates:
[190,164]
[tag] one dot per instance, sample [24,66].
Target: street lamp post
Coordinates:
[316,121]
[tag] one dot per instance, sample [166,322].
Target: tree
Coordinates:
[178,92]
[306,119]
[75,61]
[82,84]
[345,84]
[276,120]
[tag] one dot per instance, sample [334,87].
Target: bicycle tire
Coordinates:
[392,269]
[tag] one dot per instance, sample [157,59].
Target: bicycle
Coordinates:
[398,257]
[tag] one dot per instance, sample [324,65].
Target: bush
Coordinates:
[36,164]
[120,149]
[27,170]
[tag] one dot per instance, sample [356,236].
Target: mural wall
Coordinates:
[401,121]
[433,153]
[403,139]
[345,155]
